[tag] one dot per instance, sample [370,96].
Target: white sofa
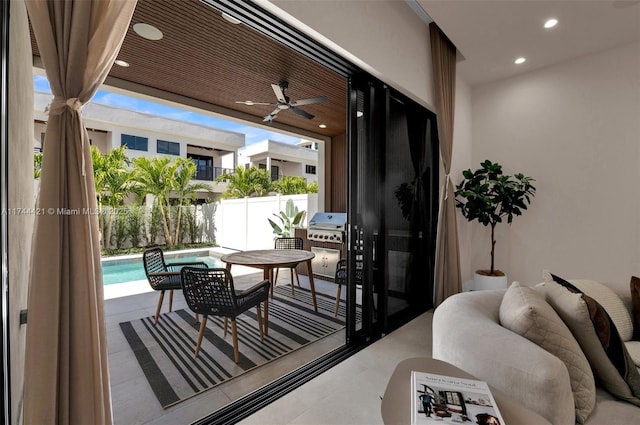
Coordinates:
[467,333]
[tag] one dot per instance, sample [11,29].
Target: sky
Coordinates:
[253,134]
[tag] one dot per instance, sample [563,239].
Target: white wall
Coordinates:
[359,30]
[575,128]
[242,223]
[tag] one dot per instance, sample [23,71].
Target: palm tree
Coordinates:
[251,181]
[291,185]
[156,176]
[113,182]
[184,189]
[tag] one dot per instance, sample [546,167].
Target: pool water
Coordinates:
[127,270]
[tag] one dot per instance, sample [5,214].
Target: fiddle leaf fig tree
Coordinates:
[488,196]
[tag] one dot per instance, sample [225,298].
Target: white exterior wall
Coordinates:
[242,223]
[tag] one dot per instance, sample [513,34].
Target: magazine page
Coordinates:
[439,399]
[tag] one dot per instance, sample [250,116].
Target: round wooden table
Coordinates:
[270,259]
[396,401]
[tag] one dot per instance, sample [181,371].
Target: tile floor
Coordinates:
[349,393]
[132,398]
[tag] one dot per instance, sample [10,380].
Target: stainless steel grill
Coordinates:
[327,227]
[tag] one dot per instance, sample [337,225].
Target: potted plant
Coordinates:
[488,196]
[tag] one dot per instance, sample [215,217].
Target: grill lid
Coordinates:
[328,221]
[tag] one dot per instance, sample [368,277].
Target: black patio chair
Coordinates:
[211,292]
[164,276]
[340,279]
[288,243]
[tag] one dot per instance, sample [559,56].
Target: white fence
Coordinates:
[242,223]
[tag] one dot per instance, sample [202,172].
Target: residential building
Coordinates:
[214,151]
[281,159]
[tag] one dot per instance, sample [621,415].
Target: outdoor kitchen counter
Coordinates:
[270,259]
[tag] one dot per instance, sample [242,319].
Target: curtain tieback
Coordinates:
[447,180]
[58,104]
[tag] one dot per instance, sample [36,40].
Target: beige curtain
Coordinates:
[443,56]
[66,370]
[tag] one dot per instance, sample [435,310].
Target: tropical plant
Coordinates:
[120,234]
[155,224]
[289,219]
[135,224]
[487,195]
[251,181]
[155,176]
[291,185]
[37,165]
[193,229]
[113,182]
[184,189]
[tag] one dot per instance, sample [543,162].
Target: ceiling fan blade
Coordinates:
[279,93]
[309,101]
[301,112]
[251,103]
[272,115]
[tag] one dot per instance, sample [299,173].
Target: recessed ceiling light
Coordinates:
[359,114]
[322,126]
[551,23]
[147,31]
[122,63]
[231,19]
[520,60]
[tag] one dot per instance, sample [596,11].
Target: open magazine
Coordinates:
[440,399]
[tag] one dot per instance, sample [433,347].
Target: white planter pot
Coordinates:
[481,282]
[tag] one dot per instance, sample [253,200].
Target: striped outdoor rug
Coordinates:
[166,352]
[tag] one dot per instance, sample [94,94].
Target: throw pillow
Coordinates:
[526,313]
[633,348]
[635,304]
[597,335]
[612,304]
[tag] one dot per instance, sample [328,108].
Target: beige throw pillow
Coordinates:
[526,313]
[597,335]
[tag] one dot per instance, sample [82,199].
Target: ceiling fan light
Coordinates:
[248,103]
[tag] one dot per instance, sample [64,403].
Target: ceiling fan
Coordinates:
[285,103]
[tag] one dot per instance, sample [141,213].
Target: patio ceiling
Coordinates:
[205,58]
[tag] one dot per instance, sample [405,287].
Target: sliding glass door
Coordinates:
[393,158]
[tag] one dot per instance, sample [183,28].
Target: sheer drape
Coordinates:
[66,372]
[443,55]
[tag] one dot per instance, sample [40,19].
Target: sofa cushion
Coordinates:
[612,304]
[635,304]
[633,348]
[597,335]
[526,313]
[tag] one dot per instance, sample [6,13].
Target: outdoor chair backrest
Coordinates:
[153,261]
[288,243]
[209,291]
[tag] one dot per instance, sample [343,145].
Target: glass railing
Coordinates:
[211,173]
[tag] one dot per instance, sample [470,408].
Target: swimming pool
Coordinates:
[120,270]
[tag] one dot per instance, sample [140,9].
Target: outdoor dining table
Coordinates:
[271,259]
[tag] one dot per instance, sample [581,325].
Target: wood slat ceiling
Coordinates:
[204,57]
